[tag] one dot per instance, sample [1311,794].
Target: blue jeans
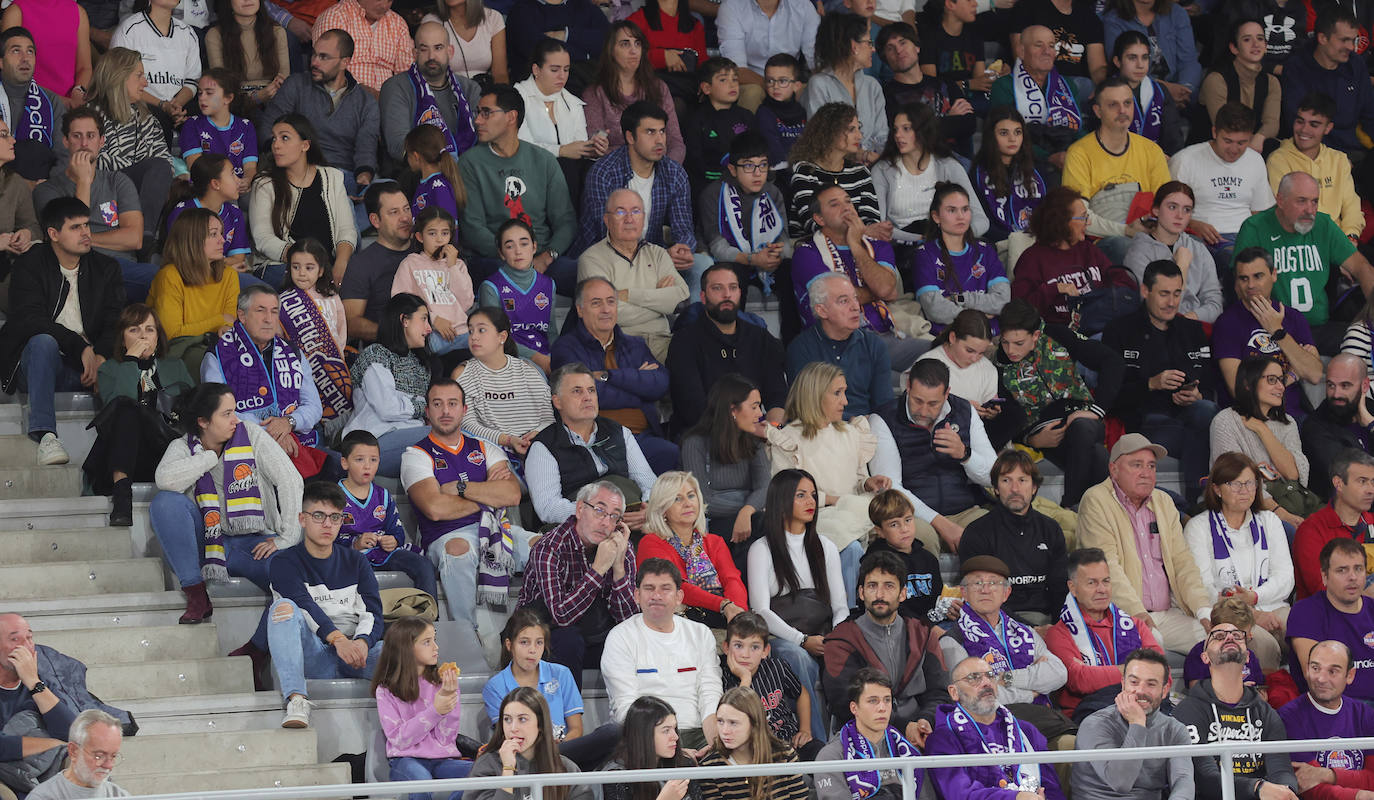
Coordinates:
[138,277]
[459,573]
[1184,434]
[393,445]
[297,653]
[269,275]
[407,768]
[850,557]
[692,275]
[438,345]
[178,526]
[661,454]
[415,566]
[808,671]
[43,374]
[360,220]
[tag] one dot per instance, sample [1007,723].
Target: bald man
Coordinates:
[33,719]
[1322,713]
[648,285]
[1342,422]
[1050,103]
[1306,248]
[431,78]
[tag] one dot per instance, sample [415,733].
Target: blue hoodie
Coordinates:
[1348,84]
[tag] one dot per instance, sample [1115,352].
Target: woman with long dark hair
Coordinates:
[390,378]
[623,76]
[523,744]
[844,51]
[828,152]
[649,740]
[1156,116]
[1004,176]
[195,292]
[677,42]
[477,35]
[725,451]
[248,43]
[795,582]
[1173,49]
[953,271]
[214,186]
[299,196]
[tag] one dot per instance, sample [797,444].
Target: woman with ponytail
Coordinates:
[214,186]
[426,152]
[953,271]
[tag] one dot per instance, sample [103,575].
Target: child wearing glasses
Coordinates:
[742,214]
[371,523]
[781,118]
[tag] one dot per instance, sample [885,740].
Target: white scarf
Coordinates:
[765,223]
[568,124]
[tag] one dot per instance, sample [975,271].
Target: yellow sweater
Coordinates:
[1332,171]
[192,310]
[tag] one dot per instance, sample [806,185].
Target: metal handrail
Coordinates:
[537,782]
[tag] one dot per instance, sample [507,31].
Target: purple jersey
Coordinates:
[531,313]
[238,142]
[808,262]
[377,514]
[976,268]
[1316,619]
[466,462]
[1237,334]
[1304,719]
[434,190]
[1195,670]
[235,227]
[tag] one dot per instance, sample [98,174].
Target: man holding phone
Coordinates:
[1168,389]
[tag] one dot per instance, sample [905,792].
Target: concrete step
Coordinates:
[272,776]
[54,513]
[225,753]
[112,682]
[32,481]
[39,547]
[135,644]
[80,578]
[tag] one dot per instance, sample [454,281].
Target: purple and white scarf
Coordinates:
[701,573]
[36,118]
[1021,777]
[865,783]
[1125,634]
[255,387]
[1010,649]
[1149,110]
[1054,105]
[765,223]
[242,511]
[496,548]
[427,111]
[306,328]
[1221,551]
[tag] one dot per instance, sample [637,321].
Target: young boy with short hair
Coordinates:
[781,117]
[743,215]
[747,660]
[715,122]
[894,520]
[371,523]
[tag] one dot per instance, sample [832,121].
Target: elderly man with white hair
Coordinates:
[92,752]
[648,285]
[839,336]
[1051,103]
[1306,248]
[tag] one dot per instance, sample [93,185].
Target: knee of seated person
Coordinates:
[283,610]
[456,547]
[41,343]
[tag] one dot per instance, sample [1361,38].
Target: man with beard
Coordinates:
[868,734]
[655,653]
[1134,720]
[1307,248]
[1323,714]
[1222,708]
[342,111]
[648,286]
[719,342]
[1347,516]
[932,446]
[429,93]
[977,722]
[458,485]
[1341,612]
[902,649]
[92,751]
[32,112]
[1344,422]
[900,49]
[1014,532]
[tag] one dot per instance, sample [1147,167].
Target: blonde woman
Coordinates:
[135,142]
[836,453]
[713,590]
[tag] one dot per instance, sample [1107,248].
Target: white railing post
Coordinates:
[908,782]
[1228,774]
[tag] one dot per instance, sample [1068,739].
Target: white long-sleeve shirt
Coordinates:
[888,460]
[682,668]
[567,125]
[764,586]
[1239,567]
[546,487]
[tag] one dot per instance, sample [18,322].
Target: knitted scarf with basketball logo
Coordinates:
[242,509]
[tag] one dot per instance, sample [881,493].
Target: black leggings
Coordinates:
[1083,457]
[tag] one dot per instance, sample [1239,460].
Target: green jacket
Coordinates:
[529,183]
[120,378]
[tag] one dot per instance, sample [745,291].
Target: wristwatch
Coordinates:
[291,418]
[39,687]
[462,488]
[1278,335]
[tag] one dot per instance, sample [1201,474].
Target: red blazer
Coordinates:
[652,546]
[670,39]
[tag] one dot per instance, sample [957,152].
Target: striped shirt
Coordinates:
[777,686]
[513,399]
[127,144]
[380,49]
[807,178]
[782,787]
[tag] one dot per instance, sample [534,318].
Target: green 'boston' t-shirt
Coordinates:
[1304,261]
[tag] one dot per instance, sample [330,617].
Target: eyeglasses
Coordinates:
[1272,380]
[984,584]
[752,166]
[102,757]
[975,678]
[5,135]
[1235,636]
[601,513]
[622,213]
[780,81]
[1241,486]
[320,516]
[487,112]
[1083,218]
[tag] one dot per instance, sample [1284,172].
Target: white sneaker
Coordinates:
[51,452]
[297,713]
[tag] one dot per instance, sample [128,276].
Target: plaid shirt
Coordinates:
[559,573]
[380,49]
[670,200]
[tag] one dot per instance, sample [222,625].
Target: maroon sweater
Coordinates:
[1042,266]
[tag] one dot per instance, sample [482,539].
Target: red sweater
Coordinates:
[669,38]
[652,546]
[1313,534]
[1084,679]
[1041,267]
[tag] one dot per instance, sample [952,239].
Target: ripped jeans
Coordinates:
[298,653]
[458,573]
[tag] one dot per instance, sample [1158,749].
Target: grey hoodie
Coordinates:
[1209,720]
[1148,779]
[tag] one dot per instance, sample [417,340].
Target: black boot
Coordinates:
[122,515]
